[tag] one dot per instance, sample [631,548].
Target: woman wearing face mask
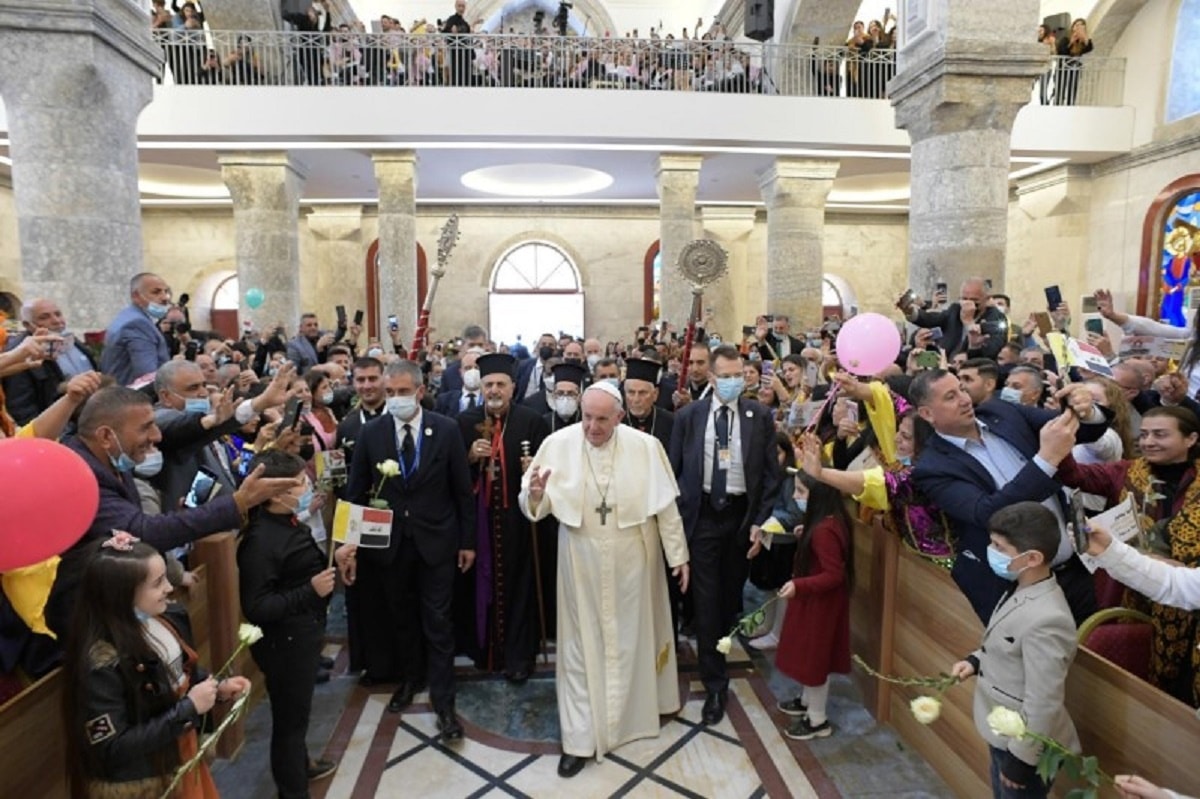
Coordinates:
[887,487]
[285,588]
[770,570]
[1162,484]
[320,415]
[133,691]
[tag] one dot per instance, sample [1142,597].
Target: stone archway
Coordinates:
[1108,20]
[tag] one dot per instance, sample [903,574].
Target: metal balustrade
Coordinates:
[352,59]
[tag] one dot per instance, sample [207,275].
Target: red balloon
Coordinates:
[48,500]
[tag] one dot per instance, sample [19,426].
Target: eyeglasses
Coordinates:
[565,394]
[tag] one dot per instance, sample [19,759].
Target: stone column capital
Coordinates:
[385,157]
[682,162]
[965,86]
[117,23]
[1066,189]
[798,181]
[335,222]
[268,179]
[396,177]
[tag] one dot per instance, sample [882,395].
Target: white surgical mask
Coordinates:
[471,379]
[1010,394]
[566,406]
[592,360]
[403,408]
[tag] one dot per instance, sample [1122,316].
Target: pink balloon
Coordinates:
[867,344]
[49,500]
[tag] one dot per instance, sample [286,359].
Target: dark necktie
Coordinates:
[720,443]
[469,403]
[408,451]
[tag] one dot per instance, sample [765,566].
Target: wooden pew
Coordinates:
[1129,725]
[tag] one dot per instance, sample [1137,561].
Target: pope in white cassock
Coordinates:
[613,492]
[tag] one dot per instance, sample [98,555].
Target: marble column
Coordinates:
[960,84]
[795,190]
[396,174]
[678,178]
[265,187]
[338,274]
[733,298]
[74,76]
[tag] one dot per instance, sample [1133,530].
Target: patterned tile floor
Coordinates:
[511,747]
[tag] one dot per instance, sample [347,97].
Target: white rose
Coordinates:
[926,709]
[1006,722]
[388,468]
[249,634]
[725,645]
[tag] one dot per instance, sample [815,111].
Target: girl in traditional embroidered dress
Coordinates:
[133,692]
[1163,485]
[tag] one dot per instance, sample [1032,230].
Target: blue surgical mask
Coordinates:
[151,466]
[141,615]
[199,405]
[612,381]
[122,463]
[1010,394]
[802,504]
[1001,564]
[904,460]
[157,311]
[304,501]
[730,388]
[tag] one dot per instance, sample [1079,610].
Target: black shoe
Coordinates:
[804,730]
[320,769]
[570,765]
[518,677]
[322,676]
[714,708]
[402,697]
[325,663]
[449,726]
[794,707]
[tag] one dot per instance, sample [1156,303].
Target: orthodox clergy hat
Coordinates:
[570,373]
[640,369]
[496,363]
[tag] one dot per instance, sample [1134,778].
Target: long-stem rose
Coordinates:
[926,709]
[387,470]
[746,625]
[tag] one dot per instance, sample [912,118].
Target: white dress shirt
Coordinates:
[735,478]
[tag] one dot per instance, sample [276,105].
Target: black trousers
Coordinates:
[719,568]
[386,618]
[288,658]
[386,594]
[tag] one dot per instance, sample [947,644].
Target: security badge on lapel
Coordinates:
[100,729]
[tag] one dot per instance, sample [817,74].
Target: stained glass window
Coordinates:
[1180,248]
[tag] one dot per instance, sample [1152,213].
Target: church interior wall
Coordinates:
[10,245]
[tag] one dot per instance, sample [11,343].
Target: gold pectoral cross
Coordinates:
[603,509]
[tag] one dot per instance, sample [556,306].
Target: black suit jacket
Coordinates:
[449,403]
[794,344]
[29,393]
[759,462]
[967,494]
[992,323]
[436,508]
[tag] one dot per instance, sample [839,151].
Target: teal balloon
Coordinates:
[255,297]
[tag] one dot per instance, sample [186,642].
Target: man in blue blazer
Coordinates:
[979,460]
[723,454]
[473,336]
[133,344]
[433,532]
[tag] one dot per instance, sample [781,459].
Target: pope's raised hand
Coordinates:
[537,483]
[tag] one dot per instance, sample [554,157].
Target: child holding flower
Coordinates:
[816,629]
[1027,649]
[133,691]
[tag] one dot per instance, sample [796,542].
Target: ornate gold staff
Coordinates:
[701,262]
[446,242]
[537,573]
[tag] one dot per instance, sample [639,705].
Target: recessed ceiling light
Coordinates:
[537,180]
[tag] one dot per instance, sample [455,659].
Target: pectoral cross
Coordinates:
[493,469]
[603,509]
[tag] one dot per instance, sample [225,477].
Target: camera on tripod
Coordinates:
[560,19]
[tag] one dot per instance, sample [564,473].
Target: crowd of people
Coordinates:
[614,497]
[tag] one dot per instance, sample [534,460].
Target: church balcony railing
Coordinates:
[401,60]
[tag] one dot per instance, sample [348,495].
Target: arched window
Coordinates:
[1170,253]
[535,288]
[223,312]
[1183,91]
[652,290]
